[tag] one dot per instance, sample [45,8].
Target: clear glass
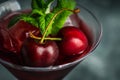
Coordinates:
[9,6]
[93,29]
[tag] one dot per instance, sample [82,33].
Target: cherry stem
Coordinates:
[39,38]
[74,11]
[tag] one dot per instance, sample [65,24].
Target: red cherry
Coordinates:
[20,31]
[73,41]
[6,44]
[37,54]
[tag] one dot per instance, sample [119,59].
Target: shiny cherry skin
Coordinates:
[20,31]
[6,44]
[73,41]
[39,55]
[7,48]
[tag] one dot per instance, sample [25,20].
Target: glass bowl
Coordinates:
[85,20]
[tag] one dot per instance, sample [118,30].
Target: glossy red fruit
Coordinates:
[20,31]
[6,44]
[73,41]
[39,55]
[7,48]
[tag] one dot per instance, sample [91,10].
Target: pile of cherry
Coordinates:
[16,45]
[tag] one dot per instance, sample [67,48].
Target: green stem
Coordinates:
[44,35]
[59,39]
[39,38]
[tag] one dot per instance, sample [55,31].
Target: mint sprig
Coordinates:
[29,19]
[14,20]
[44,21]
[42,5]
[60,20]
[41,15]
[42,8]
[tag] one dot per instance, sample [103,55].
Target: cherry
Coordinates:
[39,54]
[73,41]
[6,44]
[6,47]
[20,31]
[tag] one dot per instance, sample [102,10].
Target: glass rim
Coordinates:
[62,66]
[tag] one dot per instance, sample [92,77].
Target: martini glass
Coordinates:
[85,20]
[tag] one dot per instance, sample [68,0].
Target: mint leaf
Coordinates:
[14,20]
[48,6]
[49,22]
[30,20]
[36,11]
[38,4]
[42,5]
[42,8]
[44,22]
[61,18]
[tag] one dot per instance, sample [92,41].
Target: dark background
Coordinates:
[104,63]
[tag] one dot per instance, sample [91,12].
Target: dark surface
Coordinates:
[104,63]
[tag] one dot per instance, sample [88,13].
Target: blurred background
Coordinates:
[104,63]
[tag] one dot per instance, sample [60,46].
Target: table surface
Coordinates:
[104,63]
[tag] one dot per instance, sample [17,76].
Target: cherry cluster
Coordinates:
[20,44]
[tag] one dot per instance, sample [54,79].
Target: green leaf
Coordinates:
[42,5]
[49,22]
[37,4]
[14,20]
[36,11]
[44,22]
[48,19]
[48,5]
[30,20]
[42,8]
[61,18]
